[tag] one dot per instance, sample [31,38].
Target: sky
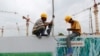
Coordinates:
[34,8]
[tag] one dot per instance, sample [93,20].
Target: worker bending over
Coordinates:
[76,31]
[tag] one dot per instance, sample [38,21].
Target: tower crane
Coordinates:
[96,17]
[2,31]
[27,24]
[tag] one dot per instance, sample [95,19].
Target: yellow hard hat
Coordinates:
[67,18]
[44,15]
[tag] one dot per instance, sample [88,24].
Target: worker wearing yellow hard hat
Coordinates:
[76,31]
[67,18]
[40,26]
[44,16]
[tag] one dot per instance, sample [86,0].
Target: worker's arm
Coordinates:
[76,27]
[48,23]
[69,29]
[24,17]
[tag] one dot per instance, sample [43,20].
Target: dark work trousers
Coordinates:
[70,37]
[49,29]
[39,32]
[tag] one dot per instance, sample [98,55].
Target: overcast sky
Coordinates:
[34,8]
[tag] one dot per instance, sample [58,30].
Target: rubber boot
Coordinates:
[70,51]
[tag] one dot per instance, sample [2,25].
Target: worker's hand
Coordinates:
[68,29]
[51,23]
[45,25]
[24,17]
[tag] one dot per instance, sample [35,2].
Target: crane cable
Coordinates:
[8,12]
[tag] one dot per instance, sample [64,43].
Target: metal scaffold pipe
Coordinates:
[53,16]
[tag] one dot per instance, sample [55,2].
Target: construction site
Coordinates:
[18,18]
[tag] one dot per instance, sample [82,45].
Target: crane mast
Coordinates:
[96,17]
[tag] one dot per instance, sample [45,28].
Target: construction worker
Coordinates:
[76,31]
[40,26]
